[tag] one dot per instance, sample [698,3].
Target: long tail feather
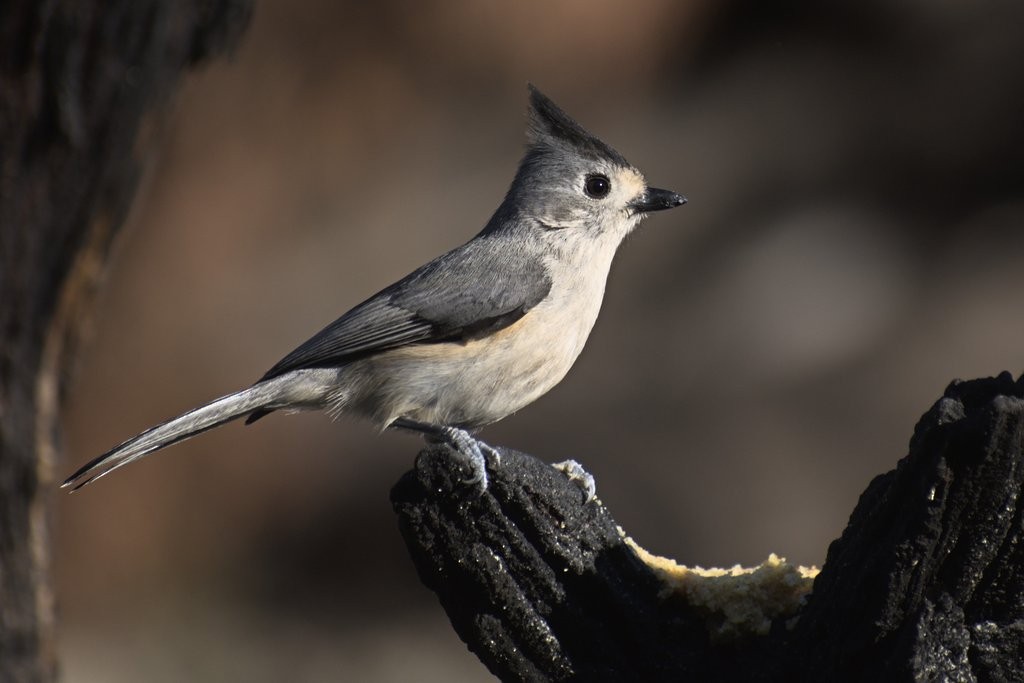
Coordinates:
[231,407]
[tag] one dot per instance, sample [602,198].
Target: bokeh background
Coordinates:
[854,241]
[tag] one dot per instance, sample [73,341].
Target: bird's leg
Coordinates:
[580,477]
[475,452]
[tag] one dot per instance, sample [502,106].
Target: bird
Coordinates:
[475,334]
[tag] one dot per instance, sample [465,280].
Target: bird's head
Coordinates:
[570,180]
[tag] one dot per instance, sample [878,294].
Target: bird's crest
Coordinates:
[549,126]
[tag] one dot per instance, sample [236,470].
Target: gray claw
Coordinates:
[493,456]
[473,451]
[583,480]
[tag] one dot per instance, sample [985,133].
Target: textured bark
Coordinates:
[927,580]
[538,584]
[925,583]
[81,84]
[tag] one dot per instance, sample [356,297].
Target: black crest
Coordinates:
[549,125]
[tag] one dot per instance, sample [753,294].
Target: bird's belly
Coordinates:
[471,384]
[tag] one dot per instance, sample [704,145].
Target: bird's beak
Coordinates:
[657,200]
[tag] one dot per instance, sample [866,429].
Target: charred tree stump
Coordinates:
[925,583]
[81,84]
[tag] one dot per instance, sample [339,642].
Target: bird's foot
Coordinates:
[475,453]
[583,480]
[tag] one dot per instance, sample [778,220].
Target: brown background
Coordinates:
[854,240]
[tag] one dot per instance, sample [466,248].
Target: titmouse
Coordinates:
[475,334]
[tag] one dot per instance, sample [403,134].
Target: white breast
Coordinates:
[481,381]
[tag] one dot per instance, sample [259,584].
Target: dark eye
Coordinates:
[597,186]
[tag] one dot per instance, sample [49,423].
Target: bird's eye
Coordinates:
[597,186]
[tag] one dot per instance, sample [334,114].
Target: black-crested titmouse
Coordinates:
[472,336]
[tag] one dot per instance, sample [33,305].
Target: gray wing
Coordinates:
[471,291]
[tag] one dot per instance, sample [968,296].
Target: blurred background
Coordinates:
[854,241]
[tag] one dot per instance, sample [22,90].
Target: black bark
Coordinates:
[81,84]
[925,583]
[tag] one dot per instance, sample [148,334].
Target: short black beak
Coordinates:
[657,200]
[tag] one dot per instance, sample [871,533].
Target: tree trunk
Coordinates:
[80,82]
[925,583]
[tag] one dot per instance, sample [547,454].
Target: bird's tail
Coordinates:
[269,394]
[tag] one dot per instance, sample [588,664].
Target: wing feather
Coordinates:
[473,290]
